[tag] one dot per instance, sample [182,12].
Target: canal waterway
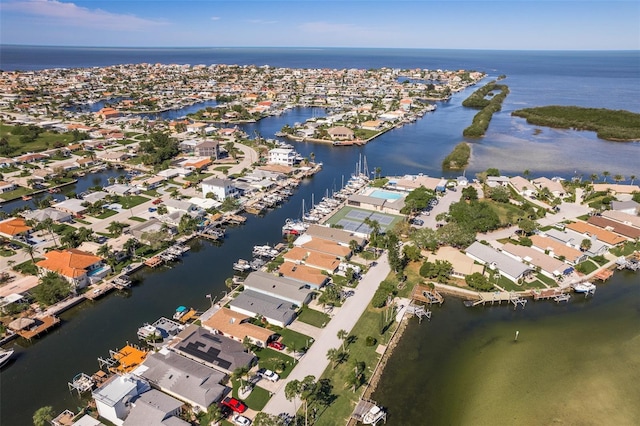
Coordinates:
[39,374]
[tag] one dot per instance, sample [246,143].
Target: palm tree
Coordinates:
[633,178]
[593,176]
[604,175]
[239,374]
[48,225]
[333,355]
[526,173]
[130,246]
[618,178]
[30,250]
[378,171]
[104,251]
[342,335]
[292,391]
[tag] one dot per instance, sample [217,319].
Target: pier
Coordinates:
[38,326]
[427,294]
[499,297]
[419,311]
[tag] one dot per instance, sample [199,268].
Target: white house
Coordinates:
[113,398]
[283,156]
[221,188]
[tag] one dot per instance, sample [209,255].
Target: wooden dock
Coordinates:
[499,297]
[426,294]
[153,262]
[42,324]
[547,293]
[603,275]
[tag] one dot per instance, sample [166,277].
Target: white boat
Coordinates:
[180,312]
[585,287]
[147,330]
[294,227]
[241,265]
[5,356]
[372,416]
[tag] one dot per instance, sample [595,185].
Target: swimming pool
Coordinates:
[386,195]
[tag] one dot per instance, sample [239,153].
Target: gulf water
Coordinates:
[574,364]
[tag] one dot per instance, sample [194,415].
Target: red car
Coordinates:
[234,404]
[157,201]
[276,345]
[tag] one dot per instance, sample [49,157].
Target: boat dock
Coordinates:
[39,326]
[499,297]
[367,412]
[547,293]
[427,294]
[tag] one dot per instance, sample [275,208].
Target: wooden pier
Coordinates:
[153,262]
[426,294]
[603,275]
[547,293]
[41,325]
[499,297]
[419,311]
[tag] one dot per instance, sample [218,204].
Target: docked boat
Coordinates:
[5,356]
[26,197]
[585,287]
[180,312]
[265,251]
[241,265]
[147,331]
[372,416]
[294,227]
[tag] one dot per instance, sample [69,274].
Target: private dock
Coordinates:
[426,294]
[603,275]
[153,262]
[547,293]
[419,311]
[368,412]
[81,383]
[39,326]
[499,297]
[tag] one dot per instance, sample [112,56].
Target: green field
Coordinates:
[45,140]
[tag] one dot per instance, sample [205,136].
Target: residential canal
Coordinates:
[39,374]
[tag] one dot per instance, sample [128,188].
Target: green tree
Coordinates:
[425,238]
[130,246]
[355,378]
[411,252]
[585,245]
[30,250]
[618,178]
[500,194]
[43,416]
[51,289]
[478,281]
[528,226]
[239,374]
[470,193]
[605,174]
[342,335]
[264,419]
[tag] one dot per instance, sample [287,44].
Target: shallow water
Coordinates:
[574,363]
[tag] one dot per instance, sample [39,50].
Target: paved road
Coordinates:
[315,361]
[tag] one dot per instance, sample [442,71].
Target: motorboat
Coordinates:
[180,312]
[5,356]
[294,227]
[241,265]
[585,287]
[372,416]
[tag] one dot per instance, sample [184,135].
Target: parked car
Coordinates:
[276,345]
[239,420]
[418,222]
[157,201]
[269,375]
[234,404]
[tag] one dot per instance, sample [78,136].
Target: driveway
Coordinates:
[315,361]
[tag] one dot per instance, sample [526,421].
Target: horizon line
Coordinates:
[317,48]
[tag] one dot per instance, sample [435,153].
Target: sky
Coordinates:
[452,24]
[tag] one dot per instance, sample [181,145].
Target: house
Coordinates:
[617,227]
[554,186]
[282,156]
[506,266]
[557,249]
[14,227]
[315,259]
[274,310]
[107,113]
[376,204]
[94,197]
[548,266]
[339,236]
[341,133]
[155,408]
[626,218]
[216,351]
[522,186]
[574,240]
[461,265]
[375,125]
[313,277]
[72,206]
[629,207]
[76,266]
[197,163]
[148,183]
[142,229]
[323,246]
[113,397]
[220,188]
[493,181]
[587,230]
[114,156]
[47,213]
[7,186]
[209,149]
[196,127]
[121,190]
[411,182]
[183,378]
[616,188]
[182,207]
[238,326]
[281,287]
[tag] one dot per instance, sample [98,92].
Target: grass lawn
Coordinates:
[107,213]
[16,193]
[313,317]
[340,410]
[84,222]
[506,212]
[276,361]
[132,200]
[6,252]
[294,340]
[151,193]
[138,219]
[549,281]
[258,398]
[586,267]
[626,249]
[45,140]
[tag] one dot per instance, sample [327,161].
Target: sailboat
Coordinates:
[294,226]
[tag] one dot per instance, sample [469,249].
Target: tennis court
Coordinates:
[352,219]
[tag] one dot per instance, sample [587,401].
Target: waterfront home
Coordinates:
[114,156]
[554,186]
[313,277]
[209,149]
[322,245]
[377,204]
[303,256]
[375,125]
[506,266]
[174,172]
[339,236]
[14,227]
[47,213]
[183,207]
[274,310]
[107,113]
[341,133]
[94,197]
[155,408]
[617,227]
[461,265]
[220,188]
[626,218]
[548,266]
[183,378]
[493,181]
[283,156]
[238,326]
[615,188]
[557,249]
[148,183]
[216,351]
[78,267]
[410,182]
[283,288]
[574,240]
[121,190]
[150,227]
[590,231]
[113,397]
[7,186]
[72,206]
[522,186]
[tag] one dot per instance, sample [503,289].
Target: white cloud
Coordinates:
[215,18]
[72,15]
